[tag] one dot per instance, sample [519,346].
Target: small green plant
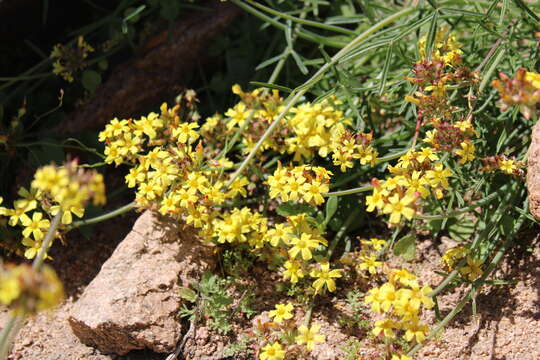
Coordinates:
[351,349]
[211,302]
[356,318]
[241,347]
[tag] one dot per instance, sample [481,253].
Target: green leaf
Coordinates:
[91,80]
[291,209]
[386,67]
[331,208]
[188,294]
[461,229]
[406,247]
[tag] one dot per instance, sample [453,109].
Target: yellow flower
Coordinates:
[415,330]
[398,206]
[376,244]
[416,183]
[451,256]
[417,296]
[33,247]
[508,166]
[21,207]
[438,176]
[281,312]
[370,263]
[387,295]
[374,298]
[401,275]
[35,225]
[293,271]
[280,233]
[312,192]
[272,352]
[385,326]
[148,125]
[185,133]
[472,271]
[304,244]
[238,115]
[376,199]
[309,336]
[427,153]
[466,152]
[67,217]
[325,276]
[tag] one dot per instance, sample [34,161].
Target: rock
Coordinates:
[533,172]
[133,302]
[57,342]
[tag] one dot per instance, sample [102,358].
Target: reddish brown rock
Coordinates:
[533,172]
[133,302]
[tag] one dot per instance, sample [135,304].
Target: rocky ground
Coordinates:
[138,322]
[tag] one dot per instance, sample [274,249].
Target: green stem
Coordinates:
[124,209]
[40,257]
[341,232]
[304,35]
[350,191]
[300,91]
[5,336]
[457,212]
[300,20]
[491,70]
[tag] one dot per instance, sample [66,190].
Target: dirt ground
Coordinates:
[506,327]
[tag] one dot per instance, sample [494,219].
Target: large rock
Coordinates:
[133,302]
[533,172]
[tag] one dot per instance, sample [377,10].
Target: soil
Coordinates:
[506,325]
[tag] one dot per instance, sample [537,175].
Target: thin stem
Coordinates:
[5,336]
[40,257]
[124,209]
[300,91]
[300,20]
[342,232]
[350,191]
[304,35]
[491,69]
[457,212]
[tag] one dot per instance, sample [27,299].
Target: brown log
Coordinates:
[159,68]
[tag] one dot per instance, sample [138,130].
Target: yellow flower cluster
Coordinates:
[416,175]
[27,291]
[54,189]
[70,59]
[301,183]
[70,187]
[522,90]
[309,129]
[446,49]
[239,226]
[401,300]
[503,163]
[283,323]
[172,172]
